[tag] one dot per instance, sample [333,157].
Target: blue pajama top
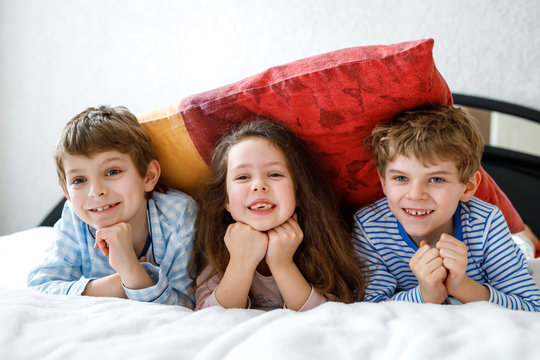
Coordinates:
[72,261]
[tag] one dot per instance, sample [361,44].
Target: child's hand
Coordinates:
[246,245]
[116,242]
[427,266]
[283,241]
[455,259]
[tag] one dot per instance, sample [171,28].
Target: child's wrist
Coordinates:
[433,296]
[469,290]
[134,276]
[458,287]
[284,267]
[127,267]
[236,264]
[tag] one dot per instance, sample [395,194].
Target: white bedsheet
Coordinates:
[34,326]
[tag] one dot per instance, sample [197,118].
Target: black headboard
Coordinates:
[516,173]
[52,217]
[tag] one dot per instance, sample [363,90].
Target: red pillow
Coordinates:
[333,101]
[489,191]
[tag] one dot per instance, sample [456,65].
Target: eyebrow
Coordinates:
[72,171]
[111,159]
[437,172]
[104,162]
[268,164]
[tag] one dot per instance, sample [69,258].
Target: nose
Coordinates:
[259,185]
[417,191]
[97,189]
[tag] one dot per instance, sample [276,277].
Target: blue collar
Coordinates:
[147,243]
[458,232]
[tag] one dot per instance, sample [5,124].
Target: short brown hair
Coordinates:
[104,128]
[429,133]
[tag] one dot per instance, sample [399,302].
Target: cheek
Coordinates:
[75,197]
[291,199]
[394,201]
[452,200]
[233,203]
[389,192]
[291,212]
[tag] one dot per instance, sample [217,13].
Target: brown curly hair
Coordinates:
[428,133]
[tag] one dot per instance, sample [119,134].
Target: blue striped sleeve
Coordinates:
[382,284]
[505,266]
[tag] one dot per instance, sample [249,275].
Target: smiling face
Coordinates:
[424,197]
[106,188]
[260,187]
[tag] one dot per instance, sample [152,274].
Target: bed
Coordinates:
[36,325]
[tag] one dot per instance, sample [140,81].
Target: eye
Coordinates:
[241,177]
[78,181]
[436,180]
[275,174]
[113,172]
[401,178]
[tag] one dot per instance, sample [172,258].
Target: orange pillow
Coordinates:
[332,100]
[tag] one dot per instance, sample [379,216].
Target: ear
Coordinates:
[152,175]
[471,186]
[383,182]
[66,194]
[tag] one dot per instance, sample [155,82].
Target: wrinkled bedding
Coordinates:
[36,325]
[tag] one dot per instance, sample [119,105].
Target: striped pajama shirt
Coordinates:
[494,260]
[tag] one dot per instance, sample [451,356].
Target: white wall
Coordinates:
[59,57]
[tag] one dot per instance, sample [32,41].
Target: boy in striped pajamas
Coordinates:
[430,240]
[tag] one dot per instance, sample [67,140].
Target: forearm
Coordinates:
[162,289]
[470,291]
[135,277]
[108,286]
[292,285]
[233,290]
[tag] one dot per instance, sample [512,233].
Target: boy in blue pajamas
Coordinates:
[117,237]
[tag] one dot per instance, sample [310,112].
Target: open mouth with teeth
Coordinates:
[262,207]
[418,212]
[104,208]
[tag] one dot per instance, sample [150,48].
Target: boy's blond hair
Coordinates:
[430,133]
[104,128]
